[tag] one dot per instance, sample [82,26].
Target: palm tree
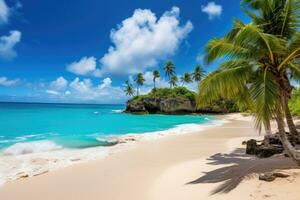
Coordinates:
[284,23]
[173,81]
[253,73]
[139,82]
[155,76]
[198,74]
[170,70]
[186,78]
[128,89]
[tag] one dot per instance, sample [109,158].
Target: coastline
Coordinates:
[161,169]
[15,163]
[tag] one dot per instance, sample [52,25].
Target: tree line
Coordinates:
[170,73]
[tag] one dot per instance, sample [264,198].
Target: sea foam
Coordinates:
[117,111]
[31,147]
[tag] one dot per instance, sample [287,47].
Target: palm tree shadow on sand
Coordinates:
[241,166]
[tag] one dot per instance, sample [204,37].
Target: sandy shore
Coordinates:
[188,166]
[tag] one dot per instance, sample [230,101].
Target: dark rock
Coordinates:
[175,105]
[251,147]
[280,175]
[267,177]
[271,176]
[268,151]
[136,107]
[270,146]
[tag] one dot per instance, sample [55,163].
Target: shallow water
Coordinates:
[54,126]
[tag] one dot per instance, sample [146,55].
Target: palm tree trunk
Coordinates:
[290,150]
[289,118]
[268,133]
[137,91]
[154,83]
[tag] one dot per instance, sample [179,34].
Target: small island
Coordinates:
[178,100]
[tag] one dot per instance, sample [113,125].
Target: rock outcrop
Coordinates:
[171,105]
[268,147]
[177,100]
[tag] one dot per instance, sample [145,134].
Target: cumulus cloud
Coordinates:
[212,9]
[59,84]
[4,12]
[142,40]
[105,83]
[84,90]
[4,81]
[7,44]
[85,66]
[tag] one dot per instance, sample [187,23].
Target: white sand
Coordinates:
[160,170]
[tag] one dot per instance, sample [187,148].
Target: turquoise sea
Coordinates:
[78,125]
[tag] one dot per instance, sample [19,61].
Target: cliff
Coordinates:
[178,100]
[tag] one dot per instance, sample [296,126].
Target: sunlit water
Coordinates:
[77,125]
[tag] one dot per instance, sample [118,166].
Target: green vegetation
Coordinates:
[260,58]
[139,82]
[168,93]
[294,102]
[170,72]
[155,76]
[186,78]
[218,106]
[221,106]
[198,73]
[173,81]
[129,89]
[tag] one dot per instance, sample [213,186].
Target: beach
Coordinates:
[166,168]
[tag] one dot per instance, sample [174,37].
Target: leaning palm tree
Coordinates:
[186,78]
[198,73]
[155,76]
[170,70]
[252,70]
[128,89]
[139,82]
[280,18]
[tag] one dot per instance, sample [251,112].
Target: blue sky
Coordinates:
[84,50]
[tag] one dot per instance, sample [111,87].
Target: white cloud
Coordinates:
[52,92]
[85,66]
[4,12]
[59,84]
[4,81]
[84,90]
[7,44]
[212,9]
[105,83]
[141,40]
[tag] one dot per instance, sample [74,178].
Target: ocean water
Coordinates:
[75,125]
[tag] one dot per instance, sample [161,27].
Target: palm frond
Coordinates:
[264,94]
[226,82]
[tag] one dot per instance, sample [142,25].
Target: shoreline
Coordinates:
[208,164]
[27,165]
